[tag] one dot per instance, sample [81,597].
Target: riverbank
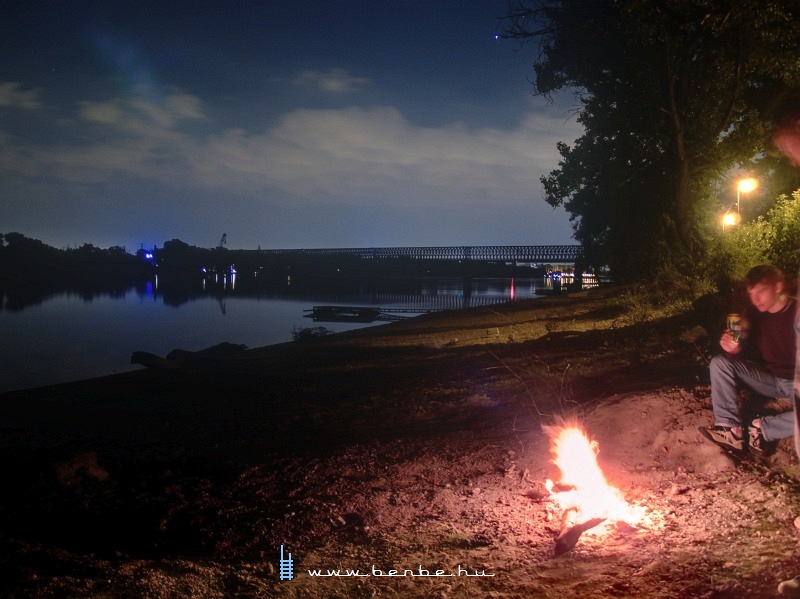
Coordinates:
[414,444]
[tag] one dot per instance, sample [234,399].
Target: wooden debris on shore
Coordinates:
[181,358]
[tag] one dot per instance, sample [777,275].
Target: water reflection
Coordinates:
[425,294]
[70,335]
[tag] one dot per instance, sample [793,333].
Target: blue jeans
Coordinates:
[726,373]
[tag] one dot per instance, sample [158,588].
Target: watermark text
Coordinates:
[419,572]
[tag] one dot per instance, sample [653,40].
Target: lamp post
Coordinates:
[744,186]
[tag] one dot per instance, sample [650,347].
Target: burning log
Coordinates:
[586,498]
[569,536]
[562,488]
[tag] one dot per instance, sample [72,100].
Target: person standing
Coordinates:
[786,138]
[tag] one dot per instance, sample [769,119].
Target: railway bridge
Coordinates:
[539,254]
[468,261]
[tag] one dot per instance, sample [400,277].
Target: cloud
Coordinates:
[354,154]
[12,95]
[332,161]
[333,155]
[140,136]
[144,111]
[106,113]
[334,81]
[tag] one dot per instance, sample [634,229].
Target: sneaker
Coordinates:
[790,588]
[756,442]
[723,435]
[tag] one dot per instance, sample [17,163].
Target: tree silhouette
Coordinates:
[672,95]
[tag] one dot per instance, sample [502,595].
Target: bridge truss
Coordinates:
[560,254]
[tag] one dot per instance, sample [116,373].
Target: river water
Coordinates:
[71,337]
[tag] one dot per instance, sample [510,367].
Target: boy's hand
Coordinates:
[727,343]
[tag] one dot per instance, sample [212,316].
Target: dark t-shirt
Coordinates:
[772,337]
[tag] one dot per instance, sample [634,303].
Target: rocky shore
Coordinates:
[417,446]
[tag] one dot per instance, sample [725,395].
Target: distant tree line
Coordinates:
[24,258]
[674,97]
[31,270]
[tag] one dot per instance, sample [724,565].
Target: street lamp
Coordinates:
[729,220]
[744,186]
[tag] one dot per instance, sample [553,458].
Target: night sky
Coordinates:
[282,123]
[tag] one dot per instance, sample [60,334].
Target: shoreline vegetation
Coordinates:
[416,444]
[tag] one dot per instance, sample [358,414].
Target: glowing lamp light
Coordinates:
[730,219]
[744,186]
[747,185]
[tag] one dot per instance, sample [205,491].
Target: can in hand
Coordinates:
[734,324]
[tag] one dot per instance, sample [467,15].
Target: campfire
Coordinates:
[584,496]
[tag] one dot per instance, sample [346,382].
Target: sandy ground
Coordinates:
[418,447]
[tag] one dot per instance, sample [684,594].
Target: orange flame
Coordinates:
[589,495]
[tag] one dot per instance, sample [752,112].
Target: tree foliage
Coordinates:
[671,94]
[772,238]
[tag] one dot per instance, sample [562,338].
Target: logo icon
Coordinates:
[286,566]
